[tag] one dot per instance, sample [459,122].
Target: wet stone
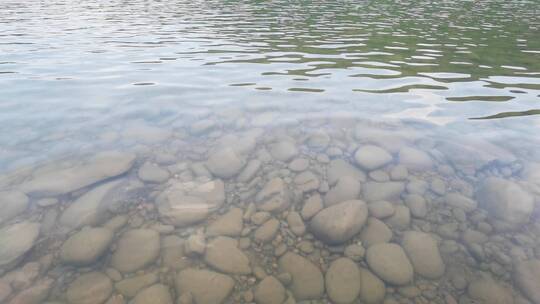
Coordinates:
[195,244]
[527,275]
[487,290]
[339,223]
[274,197]
[229,224]
[90,208]
[375,232]
[151,173]
[136,249]
[417,205]
[86,246]
[381,209]
[401,218]
[223,254]
[346,188]
[294,220]
[355,252]
[249,171]
[415,159]
[399,173]
[312,206]
[269,291]
[505,200]
[35,294]
[225,162]
[206,287]
[102,166]
[155,294]
[173,252]
[13,203]
[267,231]
[307,279]
[307,181]
[460,201]
[387,191]
[423,252]
[390,263]
[372,289]
[131,286]
[371,157]
[298,164]
[89,288]
[283,150]
[339,168]
[342,281]
[16,240]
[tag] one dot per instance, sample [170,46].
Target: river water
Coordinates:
[269,152]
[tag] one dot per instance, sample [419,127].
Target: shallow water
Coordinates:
[268,152]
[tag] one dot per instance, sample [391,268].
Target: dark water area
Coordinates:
[269,152]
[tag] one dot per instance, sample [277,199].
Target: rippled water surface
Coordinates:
[269,152]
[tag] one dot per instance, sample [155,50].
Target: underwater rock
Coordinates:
[136,249]
[269,291]
[102,166]
[343,281]
[274,197]
[527,275]
[372,157]
[86,246]
[90,208]
[487,290]
[223,254]
[283,150]
[414,159]
[131,286]
[347,188]
[375,232]
[386,191]
[390,263]
[186,204]
[423,252]
[381,209]
[152,174]
[457,200]
[505,200]
[155,294]
[339,168]
[35,294]
[89,288]
[225,162]
[267,231]
[16,240]
[372,289]
[206,287]
[229,224]
[339,223]
[307,279]
[417,205]
[12,203]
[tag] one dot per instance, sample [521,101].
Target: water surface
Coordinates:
[189,140]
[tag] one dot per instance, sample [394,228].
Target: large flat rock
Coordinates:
[102,166]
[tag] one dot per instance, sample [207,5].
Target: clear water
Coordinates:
[190,94]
